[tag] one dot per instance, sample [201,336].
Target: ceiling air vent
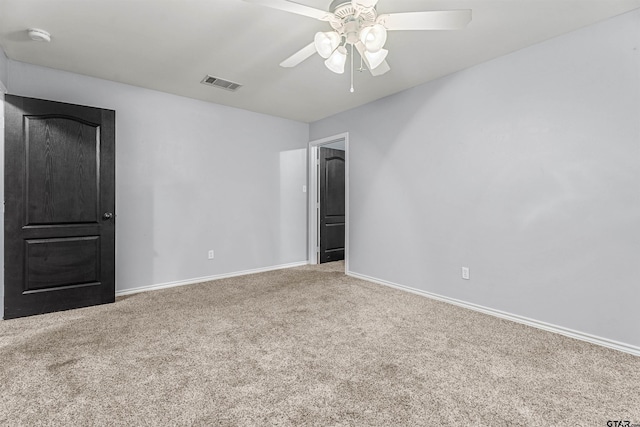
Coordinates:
[220,83]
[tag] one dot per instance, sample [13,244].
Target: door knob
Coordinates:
[107,215]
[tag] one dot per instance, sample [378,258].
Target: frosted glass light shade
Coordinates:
[376,58]
[326,43]
[337,60]
[374,37]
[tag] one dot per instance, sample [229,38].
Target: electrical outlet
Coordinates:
[211,254]
[465,273]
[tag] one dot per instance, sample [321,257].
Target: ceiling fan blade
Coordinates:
[380,69]
[428,20]
[299,56]
[289,6]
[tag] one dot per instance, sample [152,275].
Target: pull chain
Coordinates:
[352,90]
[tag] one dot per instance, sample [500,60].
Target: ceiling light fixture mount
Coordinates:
[39,35]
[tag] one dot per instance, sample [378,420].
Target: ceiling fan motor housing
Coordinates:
[350,20]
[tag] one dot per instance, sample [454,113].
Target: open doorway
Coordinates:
[329,200]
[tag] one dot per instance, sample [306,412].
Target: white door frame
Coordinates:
[3,90]
[314,201]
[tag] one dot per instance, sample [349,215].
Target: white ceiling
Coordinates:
[170,45]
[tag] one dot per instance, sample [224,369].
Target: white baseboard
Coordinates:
[604,342]
[206,279]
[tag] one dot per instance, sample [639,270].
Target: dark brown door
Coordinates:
[59,206]
[332,217]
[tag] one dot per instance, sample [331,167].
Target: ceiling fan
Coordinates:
[356,23]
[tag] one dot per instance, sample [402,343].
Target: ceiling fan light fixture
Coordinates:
[374,37]
[357,23]
[337,60]
[326,43]
[376,58]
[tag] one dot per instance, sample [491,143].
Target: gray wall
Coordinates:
[191,176]
[3,69]
[525,169]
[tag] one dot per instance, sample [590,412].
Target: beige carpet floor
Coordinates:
[307,346]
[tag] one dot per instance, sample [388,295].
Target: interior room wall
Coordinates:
[191,176]
[4,73]
[526,169]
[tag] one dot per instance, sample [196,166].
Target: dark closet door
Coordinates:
[59,206]
[332,204]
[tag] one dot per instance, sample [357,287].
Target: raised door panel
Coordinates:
[62,164]
[334,187]
[52,264]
